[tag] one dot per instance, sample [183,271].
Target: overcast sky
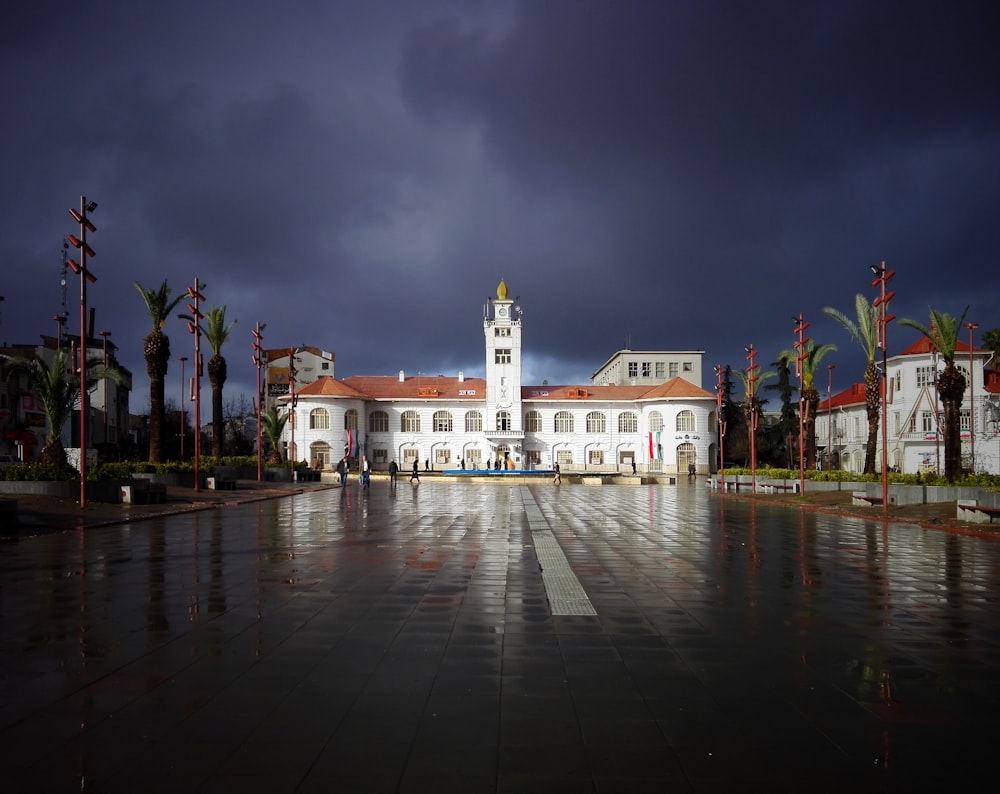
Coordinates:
[359,176]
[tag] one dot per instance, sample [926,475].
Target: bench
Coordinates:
[861,499]
[970,510]
[143,492]
[220,484]
[772,487]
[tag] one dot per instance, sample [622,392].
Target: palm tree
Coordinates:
[57,388]
[156,350]
[943,335]
[809,396]
[216,333]
[865,333]
[273,425]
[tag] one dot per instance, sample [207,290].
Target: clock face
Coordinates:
[502,312]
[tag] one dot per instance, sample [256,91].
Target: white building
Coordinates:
[442,422]
[649,367]
[915,442]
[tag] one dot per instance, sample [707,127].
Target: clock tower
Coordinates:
[502,421]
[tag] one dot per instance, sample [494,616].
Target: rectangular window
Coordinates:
[926,421]
[501,356]
[473,459]
[925,376]
[660,369]
[647,369]
[442,457]
[380,456]
[532,458]
[564,457]
[501,331]
[633,369]
[410,455]
[673,369]
[963,420]
[595,457]
[687,366]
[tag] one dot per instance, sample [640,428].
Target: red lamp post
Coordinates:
[800,345]
[194,326]
[972,403]
[752,368]
[719,388]
[80,268]
[258,362]
[882,276]
[292,402]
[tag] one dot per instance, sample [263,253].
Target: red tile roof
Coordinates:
[853,395]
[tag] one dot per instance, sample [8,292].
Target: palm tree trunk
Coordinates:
[873,403]
[157,418]
[810,403]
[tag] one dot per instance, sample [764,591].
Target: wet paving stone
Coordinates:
[499,639]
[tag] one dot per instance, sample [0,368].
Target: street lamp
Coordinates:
[882,304]
[85,275]
[752,368]
[105,335]
[719,388]
[800,370]
[194,326]
[292,402]
[972,404]
[182,359]
[829,417]
[258,362]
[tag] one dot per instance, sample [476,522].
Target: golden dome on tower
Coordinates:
[501,291]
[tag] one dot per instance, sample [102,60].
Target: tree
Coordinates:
[777,450]
[216,334]
[991,341]
[811,354]
[943,335]
[57,388]
[865,333]
[156,351]
[273,425]
[753,407]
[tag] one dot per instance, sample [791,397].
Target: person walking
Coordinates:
[393,471]
[342,468]
[416,472]
[557,479]
[633,467]
[366,475]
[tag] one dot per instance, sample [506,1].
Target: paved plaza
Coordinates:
[481,637]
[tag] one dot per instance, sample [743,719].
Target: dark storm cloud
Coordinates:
[360,175]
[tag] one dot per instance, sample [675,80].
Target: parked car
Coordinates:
[8,460]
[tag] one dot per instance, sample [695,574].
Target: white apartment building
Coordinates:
[914,416]
[649,367]
[441,422]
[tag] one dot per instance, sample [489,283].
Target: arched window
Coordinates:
[564,422]
[596,422]
[713,422]
[442,422]
[655,421]
[686,455]
[409,422]
[473,422]
[350,419]
[628,422]
[685,422]
[378,422]
[319,419]
[533,422]
[503,421]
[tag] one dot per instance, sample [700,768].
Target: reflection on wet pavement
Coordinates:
[409,639]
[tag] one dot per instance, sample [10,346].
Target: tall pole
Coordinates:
[972,403]
[182,359]
[882,303]
[194,326]
[258,361]
[292,372]
[829,417]
[80,243]
[800,370]
[719,387]
[752,368]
